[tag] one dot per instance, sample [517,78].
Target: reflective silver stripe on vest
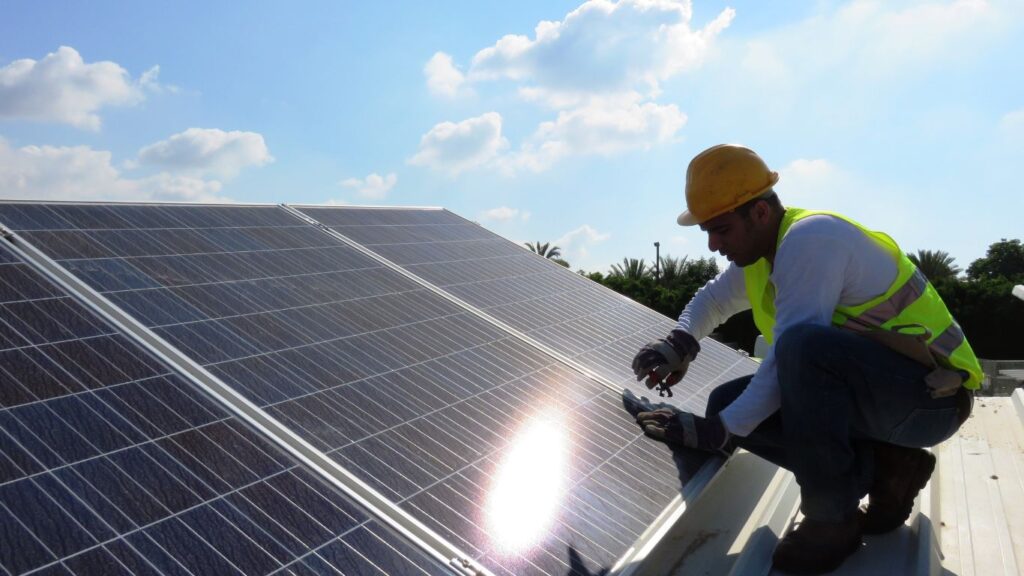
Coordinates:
[950,339]
[907,294]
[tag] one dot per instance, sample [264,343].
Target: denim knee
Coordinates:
[802,348]
[801,342]
[724,395]
[717,402]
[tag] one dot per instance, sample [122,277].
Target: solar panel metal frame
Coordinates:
[279,434]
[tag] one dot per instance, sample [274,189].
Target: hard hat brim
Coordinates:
[686,219]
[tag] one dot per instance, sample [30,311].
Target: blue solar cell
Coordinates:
[43,423]
[155,555]
[189,549]
[251,531]
[74,507]
[21,551]
[44,519]
[287,514]
[339,555]
[96,561]
[246,555]
[277,527]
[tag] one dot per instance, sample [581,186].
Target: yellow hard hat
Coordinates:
[722,178]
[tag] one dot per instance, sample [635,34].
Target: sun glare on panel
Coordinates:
[528,487]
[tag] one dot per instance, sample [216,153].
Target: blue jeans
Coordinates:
[841,393]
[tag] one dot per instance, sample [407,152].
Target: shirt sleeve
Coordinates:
[808,275]
[714,303]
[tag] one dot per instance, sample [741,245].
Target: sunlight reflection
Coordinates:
[525,497]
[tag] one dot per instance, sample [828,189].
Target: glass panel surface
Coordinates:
[571,314]
[111,464]
[515,458]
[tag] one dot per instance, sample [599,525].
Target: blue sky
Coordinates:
[569,122]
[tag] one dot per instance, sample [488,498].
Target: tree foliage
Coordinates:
[1004,259]
[630,269]
[560,262]
[935,264]
[678,282]
[546,249]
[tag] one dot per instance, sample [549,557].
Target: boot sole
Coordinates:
[922,473]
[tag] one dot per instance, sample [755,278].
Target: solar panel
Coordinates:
[439,411]
[572,315]
[110,463]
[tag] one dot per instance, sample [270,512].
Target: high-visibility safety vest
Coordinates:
[910,305]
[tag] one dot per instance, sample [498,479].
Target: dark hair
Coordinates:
[770,197]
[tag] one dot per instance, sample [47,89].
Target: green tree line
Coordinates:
[979,299]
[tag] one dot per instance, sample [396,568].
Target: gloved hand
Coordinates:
[665,361]
[684,429]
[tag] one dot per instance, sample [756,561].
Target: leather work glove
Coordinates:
[664,361]
[675,427]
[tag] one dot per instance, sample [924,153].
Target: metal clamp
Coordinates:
[465,566]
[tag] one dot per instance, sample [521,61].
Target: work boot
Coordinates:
[900,473]
[815,547]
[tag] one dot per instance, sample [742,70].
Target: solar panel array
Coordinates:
[110,463]
[416,396]
[574,316]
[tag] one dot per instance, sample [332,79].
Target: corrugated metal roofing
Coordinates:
[968,521]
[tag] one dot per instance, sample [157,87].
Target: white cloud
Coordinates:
[454,148]
[871,38]
[925,33]
[149,81]
[81,173]
[602,47]
[862,50]
[576,244]
[822,184]
[805,170]
[600,67]
[504,213]
[602,127]
[204,151]
[374,186]
[443,78]
[63,88]
[810,183]
[1012,123]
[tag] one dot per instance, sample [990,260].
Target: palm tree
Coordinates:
[546,249]
[935,265]
[672,268]
[631,268]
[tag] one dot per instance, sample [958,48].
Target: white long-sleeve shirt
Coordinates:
[821,263]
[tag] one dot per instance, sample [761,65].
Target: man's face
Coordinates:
[734,237]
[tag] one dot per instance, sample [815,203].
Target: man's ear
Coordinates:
[762,212]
